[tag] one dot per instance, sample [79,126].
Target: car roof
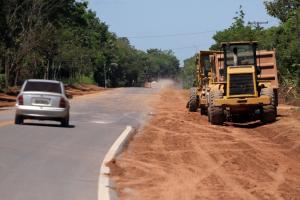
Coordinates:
[43,80]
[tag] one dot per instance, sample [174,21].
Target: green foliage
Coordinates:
[86,80]
[282,9]
[164,64]
[62,39]
[283,38]
[188,73]
[287,44]
[238,31]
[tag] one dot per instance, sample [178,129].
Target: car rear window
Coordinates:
[42,87]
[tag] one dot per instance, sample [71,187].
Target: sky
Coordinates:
[184,26]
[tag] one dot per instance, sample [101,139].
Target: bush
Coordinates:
[87,80]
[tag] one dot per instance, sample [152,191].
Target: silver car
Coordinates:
[42,100]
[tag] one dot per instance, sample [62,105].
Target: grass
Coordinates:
[86,80]
[80,80]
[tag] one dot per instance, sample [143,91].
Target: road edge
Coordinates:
[105,187]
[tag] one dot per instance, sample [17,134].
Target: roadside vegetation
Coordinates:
[64,40]
[285,38]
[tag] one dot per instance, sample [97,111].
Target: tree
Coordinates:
[163,64]
[25,26]
[188,72]
[283,38]
[282,9]
[62,39]
[238,31]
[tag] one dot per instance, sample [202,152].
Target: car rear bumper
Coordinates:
[37,112]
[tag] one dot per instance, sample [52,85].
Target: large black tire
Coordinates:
[19,119]
[194,100]
[215,113]
[65,121]
[203,110]
[268,112]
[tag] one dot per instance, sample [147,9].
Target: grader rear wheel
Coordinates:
[194,100]
[269,112]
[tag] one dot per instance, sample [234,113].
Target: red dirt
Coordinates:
[179,155]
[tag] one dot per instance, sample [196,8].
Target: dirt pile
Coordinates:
[179,155]
[82,89]
[7,100]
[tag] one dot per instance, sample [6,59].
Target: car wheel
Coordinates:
[19,119]
[65,121]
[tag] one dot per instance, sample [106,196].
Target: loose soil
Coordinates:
[8,100]
[179,156]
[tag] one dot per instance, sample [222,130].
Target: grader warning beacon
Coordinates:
[237,81]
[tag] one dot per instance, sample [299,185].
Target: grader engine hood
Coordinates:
[241,82]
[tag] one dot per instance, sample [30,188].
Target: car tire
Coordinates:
[65,122]
[19,119]
[203,110]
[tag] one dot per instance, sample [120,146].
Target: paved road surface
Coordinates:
[40,160]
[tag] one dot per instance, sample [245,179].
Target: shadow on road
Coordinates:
[48,125]
[249,123]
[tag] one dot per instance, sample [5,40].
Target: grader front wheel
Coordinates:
[194,100]
[216,113]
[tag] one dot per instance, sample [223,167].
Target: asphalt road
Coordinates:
[41,160]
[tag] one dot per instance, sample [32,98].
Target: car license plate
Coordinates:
[42,101]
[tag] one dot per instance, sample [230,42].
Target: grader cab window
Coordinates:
[238,55]
[207,66]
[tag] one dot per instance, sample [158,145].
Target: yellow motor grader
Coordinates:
[239,80]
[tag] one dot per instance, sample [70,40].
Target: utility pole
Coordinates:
[258,24]
[104,74]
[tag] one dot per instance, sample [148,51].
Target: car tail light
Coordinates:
[62,103]
[21,100]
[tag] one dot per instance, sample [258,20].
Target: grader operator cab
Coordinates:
[239,82]
[206,75]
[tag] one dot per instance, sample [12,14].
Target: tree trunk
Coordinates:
[16,77]
[6,72]
[46,74]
